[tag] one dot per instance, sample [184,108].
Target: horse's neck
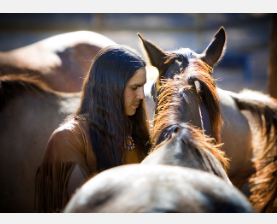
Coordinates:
[213,166]
[177,153]
[193,157]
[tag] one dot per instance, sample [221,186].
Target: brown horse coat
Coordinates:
[60,61]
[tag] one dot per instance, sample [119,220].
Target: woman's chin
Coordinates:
[131,112]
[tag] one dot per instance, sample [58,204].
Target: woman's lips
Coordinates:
[135,105]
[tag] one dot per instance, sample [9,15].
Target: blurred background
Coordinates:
[245,64]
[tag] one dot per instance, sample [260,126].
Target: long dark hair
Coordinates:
[103,98]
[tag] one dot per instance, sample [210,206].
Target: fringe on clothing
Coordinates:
[51,193]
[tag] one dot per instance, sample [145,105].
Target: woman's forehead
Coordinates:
[139,77]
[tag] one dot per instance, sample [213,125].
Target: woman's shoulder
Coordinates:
[67,140]
[75,124]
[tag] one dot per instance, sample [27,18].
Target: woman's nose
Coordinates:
[140,94]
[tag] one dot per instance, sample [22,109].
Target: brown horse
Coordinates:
[182,102]
[259,160]
[157,188]
[29,113]
[60,61]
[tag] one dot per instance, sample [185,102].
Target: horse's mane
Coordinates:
[12,86]
[193,137]
[197,75]
[264,111]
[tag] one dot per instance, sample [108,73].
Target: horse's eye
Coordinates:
[179,59]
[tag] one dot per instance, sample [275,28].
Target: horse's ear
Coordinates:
[156,55]
[216,49]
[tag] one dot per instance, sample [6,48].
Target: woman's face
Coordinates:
[134,93]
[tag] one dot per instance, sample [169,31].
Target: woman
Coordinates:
[108,129]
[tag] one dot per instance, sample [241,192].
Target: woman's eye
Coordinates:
[134,88]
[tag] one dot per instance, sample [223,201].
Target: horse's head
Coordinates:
[185,61]
[170,63]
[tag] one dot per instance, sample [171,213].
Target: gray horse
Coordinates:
[157,188]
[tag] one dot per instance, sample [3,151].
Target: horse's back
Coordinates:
[61,61]
[157,188]
[26,122]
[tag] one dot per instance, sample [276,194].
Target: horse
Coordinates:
[29,112]
[140,188]
[182,105]
[252,166]
[61,61]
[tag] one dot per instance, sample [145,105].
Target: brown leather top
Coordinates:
[71,143]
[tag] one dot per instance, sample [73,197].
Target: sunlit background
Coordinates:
[245,64]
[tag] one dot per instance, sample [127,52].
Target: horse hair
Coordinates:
[264,180]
